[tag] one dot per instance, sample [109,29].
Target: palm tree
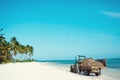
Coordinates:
[25,51]
[2,55]
[14,46]
[2,41]
[9,50]
[30,50]
[21,51]
[4,49]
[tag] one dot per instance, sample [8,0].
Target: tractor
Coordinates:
[88,65]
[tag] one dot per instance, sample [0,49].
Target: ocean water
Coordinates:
[111,63]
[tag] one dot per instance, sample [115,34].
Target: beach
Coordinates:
[42,71]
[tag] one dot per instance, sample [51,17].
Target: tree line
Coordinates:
[12,51]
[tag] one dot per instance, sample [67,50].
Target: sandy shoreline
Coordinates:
[41,71]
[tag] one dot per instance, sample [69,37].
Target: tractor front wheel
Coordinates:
[71,68]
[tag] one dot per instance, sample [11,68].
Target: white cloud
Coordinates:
[111,14]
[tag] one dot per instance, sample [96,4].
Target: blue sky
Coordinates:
[62,29]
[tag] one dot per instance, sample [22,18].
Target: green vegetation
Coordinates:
[13,51]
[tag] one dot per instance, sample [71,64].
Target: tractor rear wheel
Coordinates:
[75,68]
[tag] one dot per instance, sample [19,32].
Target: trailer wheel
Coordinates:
[98,74]
[80,70]
[87,72]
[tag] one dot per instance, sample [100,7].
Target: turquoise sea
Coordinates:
[111,63]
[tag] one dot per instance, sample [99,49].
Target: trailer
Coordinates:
[88,65]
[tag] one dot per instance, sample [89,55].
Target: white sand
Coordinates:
[41,71]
